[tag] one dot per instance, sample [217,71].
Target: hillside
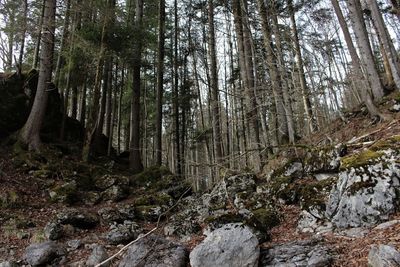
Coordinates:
[331,200]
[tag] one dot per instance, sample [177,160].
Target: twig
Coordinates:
[143,236]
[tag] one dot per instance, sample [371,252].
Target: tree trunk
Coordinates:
[30,133]
[135,162]
[160,80]
[23,35]
[39,37]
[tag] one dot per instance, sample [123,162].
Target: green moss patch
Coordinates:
[360,159]
[358,186]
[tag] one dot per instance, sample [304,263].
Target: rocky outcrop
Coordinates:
[230,245]
[99,254]
[310,253]
[122,233]
[367,190]
[154,251]
[383,256]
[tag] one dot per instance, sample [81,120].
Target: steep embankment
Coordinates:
[328,202]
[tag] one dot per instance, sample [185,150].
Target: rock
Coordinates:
[383,256]
[91,198]
[74,244]
[53,231]
[127,211]
[43,253]
[309,223]
[154,251]
[98,255]
[115,193]
[78,219]
[386,225]
[395,108]
[106,181]
[64,193]
[354,232]
[310,253]
[110,214]
[231,245]
[366,191]
[9,264]
[150,213]
[122,233]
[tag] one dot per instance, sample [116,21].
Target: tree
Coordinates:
[30,133]
[160,80]
[135,162]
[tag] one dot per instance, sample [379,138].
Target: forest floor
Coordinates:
[29,209]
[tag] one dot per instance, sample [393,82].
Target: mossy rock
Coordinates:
[10,199]
[314,194]
[149,212]
[360,159]
[216,221]
[285,188]
[65,193]
[150,176]
[264,219]
[389,143]
[361,185]
[154,199]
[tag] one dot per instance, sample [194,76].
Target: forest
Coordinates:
[261,109]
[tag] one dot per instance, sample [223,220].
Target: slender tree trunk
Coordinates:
[214,87]
[135,162]
[176,93]
[23,35]
[160,80]
[30,133]
[300,66]
[386,41]
[39,37]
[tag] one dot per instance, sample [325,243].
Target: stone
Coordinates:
[122,233]
[387,225]
[9,264]
[354,232]
[230,245]
[91,198]
[43,253]
[366,193]
[74,244]
[78,219]
[99,254]
[64,193]
[155,251]
[106,181]
[110,214]
[383,256]
[309,223]
[53,231]
[115,193]
[395,108]
[310,253]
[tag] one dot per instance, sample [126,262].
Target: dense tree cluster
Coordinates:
[201,86]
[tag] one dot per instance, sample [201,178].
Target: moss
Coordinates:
[314,194]
[285,188]
[150,175]
[65,193]
[10,199]
[154,199]
[356,187]
[264,219]
[148,212]
[389,143]
[360,159]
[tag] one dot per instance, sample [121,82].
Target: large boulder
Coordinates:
[122,233]
[154,251]
[99,254]
[43,253]
[78,219]
[310,253]
[383,256]
[231,245]
[366,192]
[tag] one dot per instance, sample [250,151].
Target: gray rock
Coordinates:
[122,233]
[386,225]
[98,255]
[9,264]
[228,246]
[305,253]
[395,108]
[74,244]
[115,193]
[309,223]
[110,214]
[91,198]
[354,232]
[127,211]
[383,256]
[106,181]
[155,251]
[53,231]
[366,195]
[78,219]
[43,253]
[65,193]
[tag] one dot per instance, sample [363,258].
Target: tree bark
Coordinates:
[30,133]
